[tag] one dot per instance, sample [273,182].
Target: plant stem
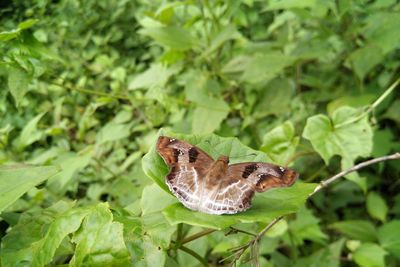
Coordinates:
[372,106]
[197,235]
[195,255]
[361,165]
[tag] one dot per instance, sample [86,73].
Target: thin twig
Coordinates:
[238,252]
[361,165]
[234,230]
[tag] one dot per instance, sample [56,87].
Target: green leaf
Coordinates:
[349,141]
[287,4]
[280,143]
[210,111]
[173,37]
[265,67]
[370,255]
[156,76]
[206,120]
[30,133]
[275,98]
[158,228]
[227,33]
[155,199]
[113,131]
[382,29]
[305,227]
[27,24]
[376,206]
[16,180]
[356,229]
[9,35]
[36,238]
[265,208]
[365,59]
[388,235]
[18,81]
[99,241]
[70,164]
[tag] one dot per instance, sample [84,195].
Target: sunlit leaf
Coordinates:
[388,235]
[376,206]
[370,255]
[16,180]
[356,229]
[280,143]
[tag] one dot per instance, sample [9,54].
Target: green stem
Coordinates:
[371,107]
[179,236]
[196,236]
[195,255]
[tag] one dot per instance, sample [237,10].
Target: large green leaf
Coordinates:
[388,235]
[266,206]
[99,241]
[370,255]
[349,141]
[339,136]
[16,180]
[356,229]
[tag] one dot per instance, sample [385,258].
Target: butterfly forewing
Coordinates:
[188,167]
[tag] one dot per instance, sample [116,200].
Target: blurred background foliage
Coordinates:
[87,84]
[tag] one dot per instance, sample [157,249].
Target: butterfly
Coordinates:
[213,186]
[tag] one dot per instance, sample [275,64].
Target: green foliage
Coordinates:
[17,180]
[87,86]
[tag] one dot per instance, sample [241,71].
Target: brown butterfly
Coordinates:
[212,186]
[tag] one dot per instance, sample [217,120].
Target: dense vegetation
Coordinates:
[87,86]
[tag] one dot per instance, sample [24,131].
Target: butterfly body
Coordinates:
[213,186]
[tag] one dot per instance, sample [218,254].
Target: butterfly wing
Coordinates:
[188,168]
[262,176]
[231,195]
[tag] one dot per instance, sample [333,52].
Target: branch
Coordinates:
[238,252]
[361,165]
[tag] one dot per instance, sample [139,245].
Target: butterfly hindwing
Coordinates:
[263,176]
